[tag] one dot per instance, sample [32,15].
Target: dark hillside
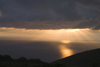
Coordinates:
[7,61]
[84,59]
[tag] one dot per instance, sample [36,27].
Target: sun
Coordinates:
[65,41]
[72,30]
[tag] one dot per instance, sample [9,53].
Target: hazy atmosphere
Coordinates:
[48,45]
[48,29]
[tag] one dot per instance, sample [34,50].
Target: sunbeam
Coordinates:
[65,35]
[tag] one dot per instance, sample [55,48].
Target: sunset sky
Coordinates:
[48,29]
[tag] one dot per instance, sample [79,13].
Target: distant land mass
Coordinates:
[90,58]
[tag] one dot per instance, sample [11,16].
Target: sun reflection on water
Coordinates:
[65,52]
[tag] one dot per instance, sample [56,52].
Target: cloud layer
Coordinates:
[50,14]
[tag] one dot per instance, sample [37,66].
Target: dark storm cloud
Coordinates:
[48,14]
[91,3]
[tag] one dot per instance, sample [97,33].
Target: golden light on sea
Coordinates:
[65,52]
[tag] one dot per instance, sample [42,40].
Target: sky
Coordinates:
[48,29]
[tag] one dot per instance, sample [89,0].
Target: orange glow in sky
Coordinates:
[61,35]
